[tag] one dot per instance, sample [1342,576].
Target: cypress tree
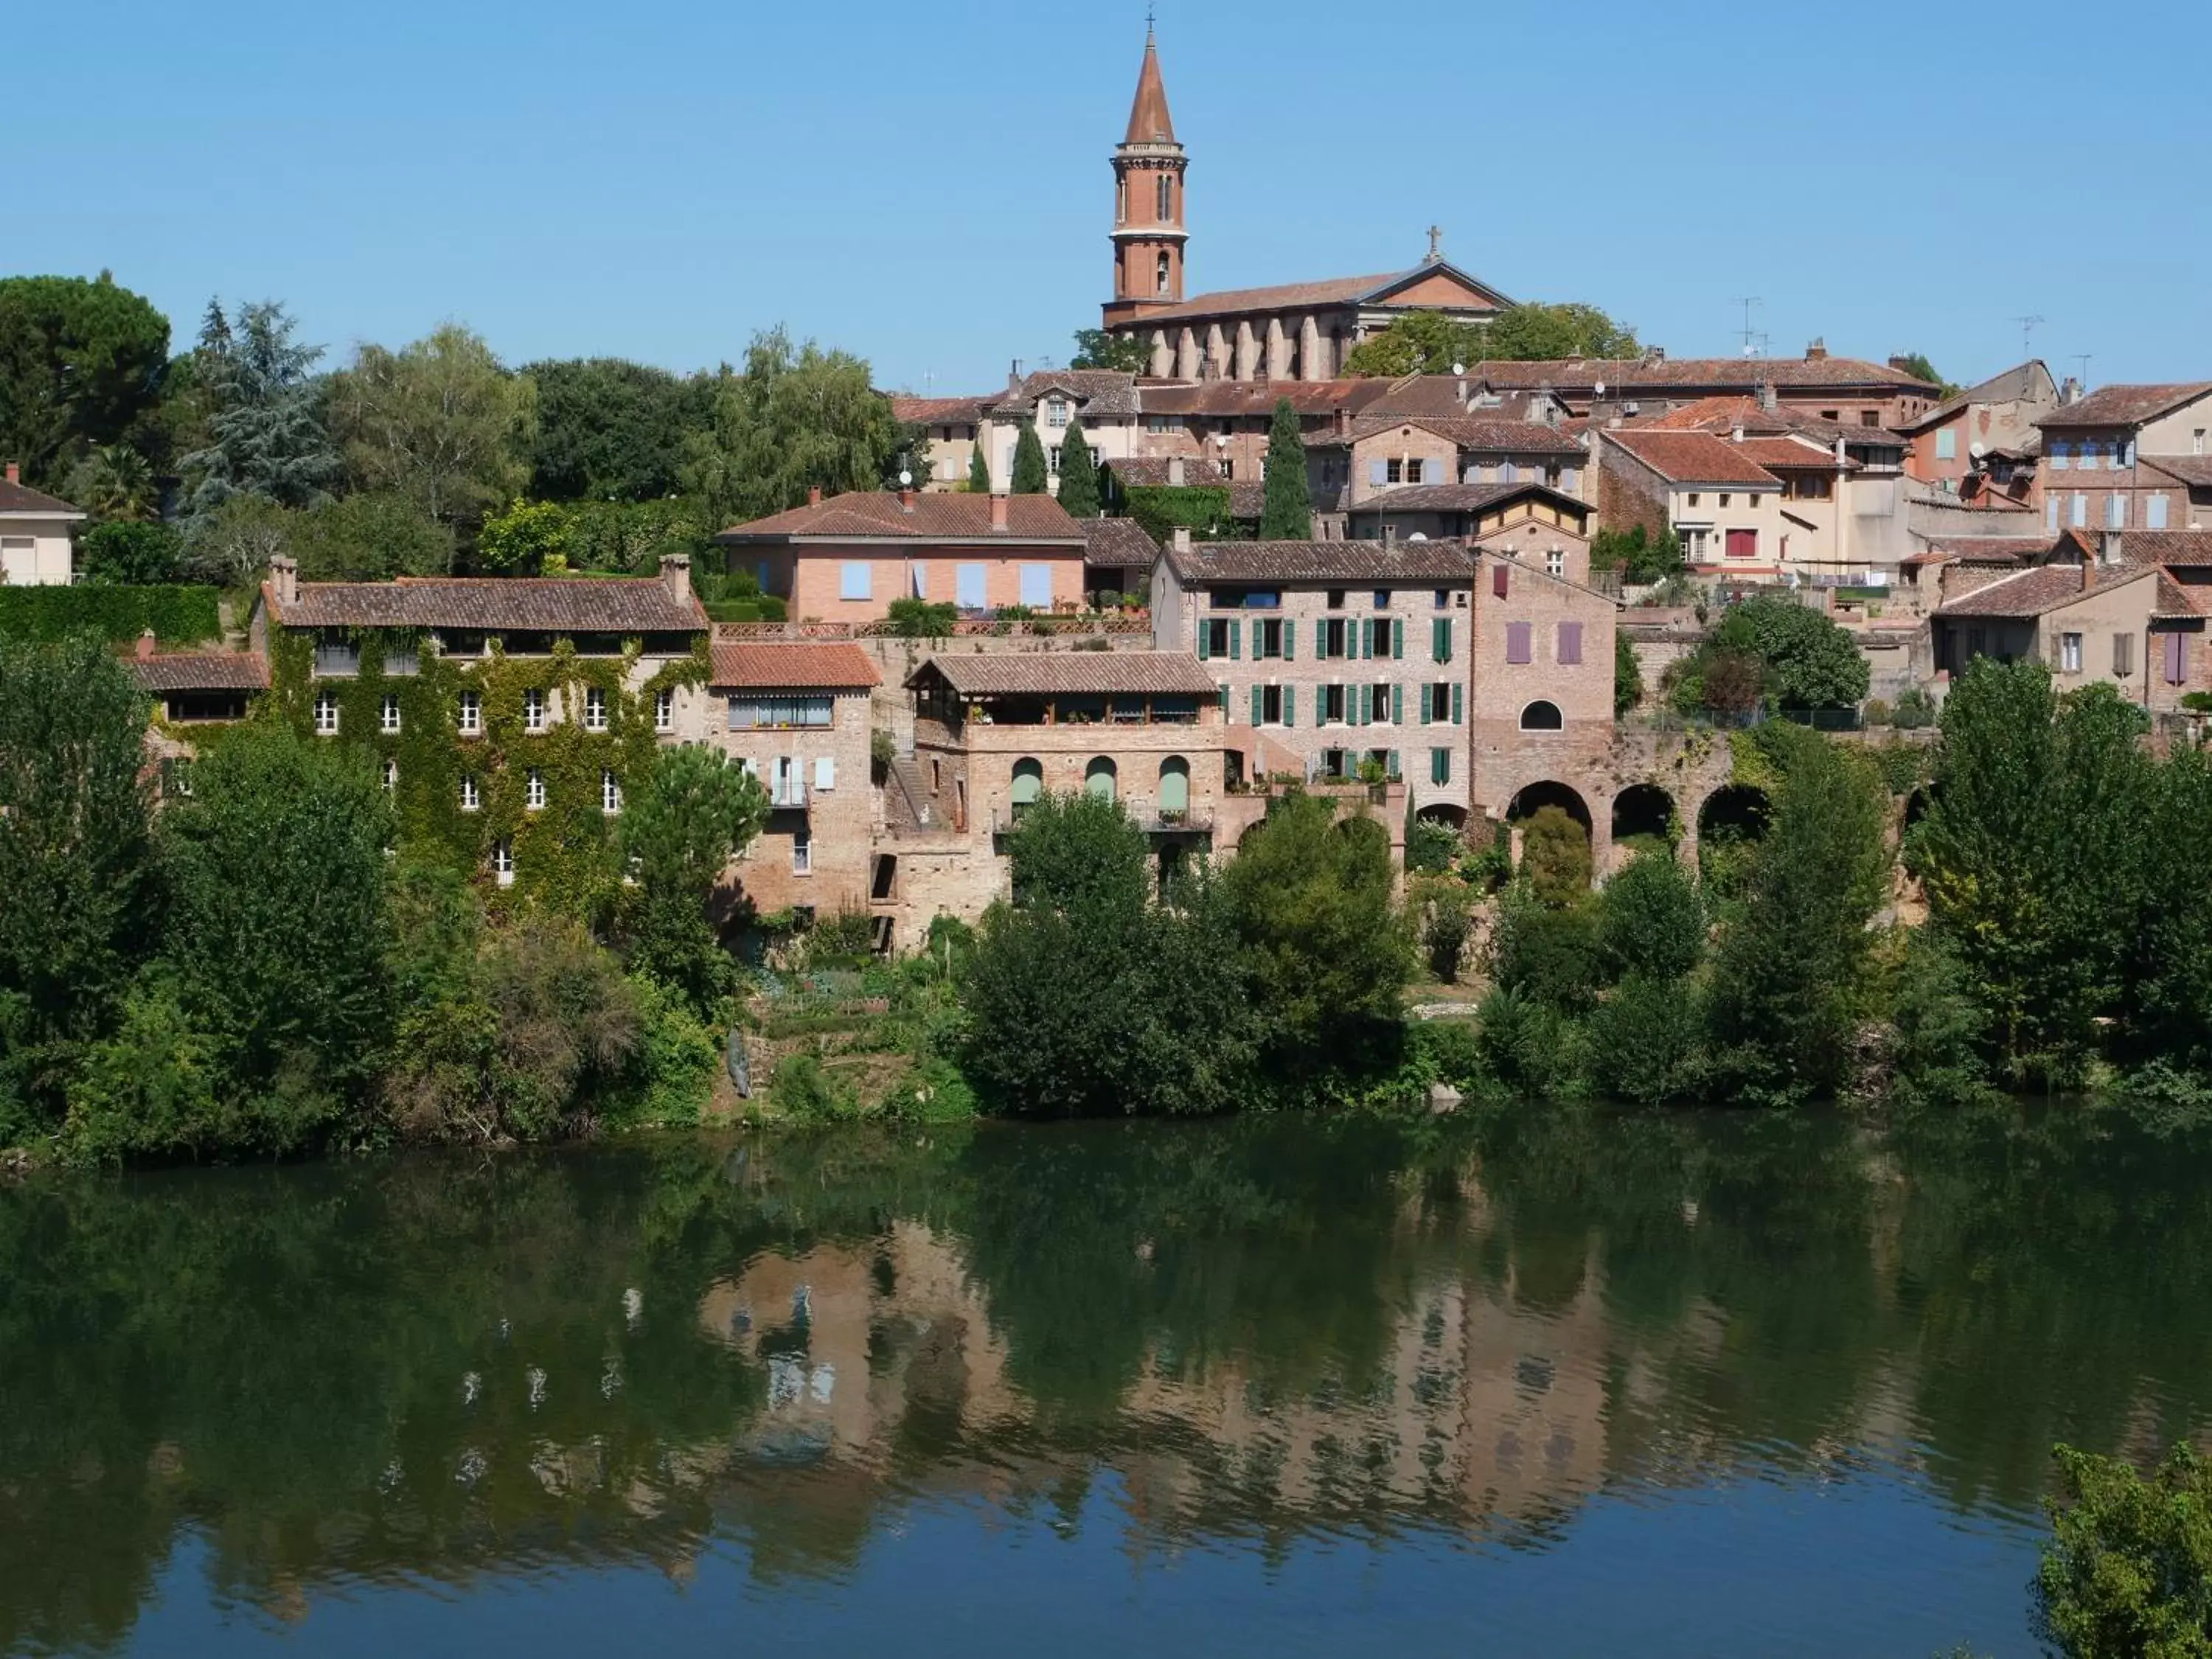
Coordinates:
[1030,477]
[1287,514]
[1079,478]
[979,469]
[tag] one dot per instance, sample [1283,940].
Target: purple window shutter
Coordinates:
[1498,581]
[1517,643]
[2174,647]
[1570,642]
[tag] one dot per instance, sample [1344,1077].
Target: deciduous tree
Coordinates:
[695,812]
[608,429]
[440,421]
[1096,348]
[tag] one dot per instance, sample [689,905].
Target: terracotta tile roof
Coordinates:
[1856,435]
[201,671]
[1353,563]
[1467,431]
[1707,373]
[558,605]
[873,513]
[1993,550]
[2017,385]
[2033,592]
[769,665]
[2166,546]
[1074,673]
[1335,291]
[1248,498]
[1118,544]
[1258,398]
[1444,498]
[1719,414]
[1146,471]
[1149,121]
[1692,457]
[21,498]
[2124,406]
[2178,600]
[1095,392]
[1793,452]
[2195,471]
[937,411]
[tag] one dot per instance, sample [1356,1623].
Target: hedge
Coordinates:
[178,615]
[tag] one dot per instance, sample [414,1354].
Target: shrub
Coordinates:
[1547,954]
[918,619]
[1524,1042]
[1809,660]
[1448,1051]
[130,554]
[178,615]
[1447,914]
[1651,920]
[1431,847]
[2128,1569]
[803,1090]
[1647,1041]
[1555,855]
[1914,709]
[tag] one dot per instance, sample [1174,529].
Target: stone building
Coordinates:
[994,732]
[797,717]
[1722,506]
[2086,620]
[949,429]
[1531,522]
[1983,440]
[191,691]
[1328,655]
[845,558]
[1843,391]
[1298,331]
[34,535]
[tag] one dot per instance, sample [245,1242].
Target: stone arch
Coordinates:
[1175,785]
[1735,811]
[1915,806]
[1443,812]
[1102,777]
[1532,798]
[1028,785]
[1643,809]
[1542,715]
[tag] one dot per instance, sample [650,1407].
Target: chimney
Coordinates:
[1769,398]
[1818,351]
[999,512]
[284,579]
[2069,393]
[16,468]
[146,646]
[1342,417]
[2108,547]
[1389,534]
[1841,456]
[814,495]
[906,498]
[676,575]
[1900,362]
[1179,538]
[1735,433]
[1175,472]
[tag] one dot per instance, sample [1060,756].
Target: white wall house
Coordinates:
[34,535]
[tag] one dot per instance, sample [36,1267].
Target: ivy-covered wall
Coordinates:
[565,855]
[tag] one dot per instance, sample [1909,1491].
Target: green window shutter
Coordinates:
[1289,705]
[1437,764]
[1366,705]
[1257,708]
[1424,702]
[1390,765]
[1320,638]
[1203,642]
[1436,640]
[1224,703]
[1459,703]
[1397,637]
[1290,641]
[1443,638]
[1397,705]
[1367,643]
[1236,641]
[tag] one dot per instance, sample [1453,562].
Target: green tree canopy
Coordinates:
[113,482]
[1286,513]
[372,536]
[1430,343]
[979,469]
[1627,675]
[695,812]
[1810,660]
[266,436]
[1079,475]
[125,554]
[80,365]
[519,541]
[608,429]
[1096,348]
[75,861]
[1031,475]
[2128,1569]
[440,421]
[1651,920]
[1418,343]
[798,416]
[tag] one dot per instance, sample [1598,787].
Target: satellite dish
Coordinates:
[1418,536]
[1599,389]
[1977,449]
[1458,368]
[905,477]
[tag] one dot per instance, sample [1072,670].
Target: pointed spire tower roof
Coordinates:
[1149,121]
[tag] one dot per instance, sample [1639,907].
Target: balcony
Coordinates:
[786,794]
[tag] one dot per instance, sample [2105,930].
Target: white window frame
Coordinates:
[595,709]
[503,862]
[2070,654]
[471,796]
[533,790]
[391,776]
[802,852]
[664,711]
[610,795]
[327,715]
[472,714]
[387,713]
[533,710]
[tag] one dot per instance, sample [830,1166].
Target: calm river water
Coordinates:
[1564,1385]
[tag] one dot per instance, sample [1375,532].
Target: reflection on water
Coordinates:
[268,1392]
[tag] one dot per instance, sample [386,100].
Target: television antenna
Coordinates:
[2083,374]
[1750,334]
[2026,334]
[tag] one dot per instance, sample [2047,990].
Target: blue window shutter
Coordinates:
[1235,639]
[2051,512]
[1289,705]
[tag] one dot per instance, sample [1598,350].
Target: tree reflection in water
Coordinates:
[443,1368]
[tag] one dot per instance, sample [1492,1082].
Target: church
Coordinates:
[1298,331]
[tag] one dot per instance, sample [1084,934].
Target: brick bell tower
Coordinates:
[1148,177]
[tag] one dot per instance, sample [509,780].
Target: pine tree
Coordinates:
[1287,514]
[1079,478]
[979,469]
[1030,477]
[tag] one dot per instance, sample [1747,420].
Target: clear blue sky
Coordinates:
[928,185]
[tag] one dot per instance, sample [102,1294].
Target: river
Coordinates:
[1554,1383]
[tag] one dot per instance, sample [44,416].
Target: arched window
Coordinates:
[1175,785]
[1098,778]
[1166,187]
[1029,783]
[1541,716]
[1161,286]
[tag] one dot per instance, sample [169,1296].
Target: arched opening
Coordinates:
[1173,857]
[1542,715]
[1029,784]
[1099,778]
[1916,807]
[1160,287]
[1550,828]
[1443,812]
[1729,825]
[1643,817]
[1175,786]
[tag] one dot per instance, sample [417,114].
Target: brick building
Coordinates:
[2128,458]
[1329,654]
[1723,505]
[190,689]
[1360,462]
[845,559]
[1531,522]
[797,717]
[1981,442]
[949,429]
[1843,391]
